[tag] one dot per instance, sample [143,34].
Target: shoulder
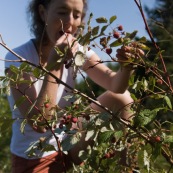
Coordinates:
[20,50]
[26,51]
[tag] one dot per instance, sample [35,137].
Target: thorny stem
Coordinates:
[153,41]
[138,3]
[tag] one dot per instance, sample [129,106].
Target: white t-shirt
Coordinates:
[21,142]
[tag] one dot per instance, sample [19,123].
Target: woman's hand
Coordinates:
[129,55]
[64,49]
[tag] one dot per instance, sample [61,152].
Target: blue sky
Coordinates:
[14,27]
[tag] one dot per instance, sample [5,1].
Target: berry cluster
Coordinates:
[116,34]
[67,119]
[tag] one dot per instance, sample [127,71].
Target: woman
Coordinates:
[54,24]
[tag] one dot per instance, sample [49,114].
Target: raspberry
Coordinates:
[74,119]
[46,105]
[116,34]
[120,27]
[108,51]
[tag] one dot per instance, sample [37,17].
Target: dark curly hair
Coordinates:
[36,24]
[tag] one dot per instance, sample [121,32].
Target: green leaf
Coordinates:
[5,124]
[115,43]
[101,20]
[105,136]
[90,134]
[70,141]
[143,40]
[156,151]
[22,126]
[145,117]
[19,102]
[85,40]
[79,59]
[48,148]
[14,69]
[103,29]
[36,72]
[95,30]
[168,101]
[112,19]
[118,134]
[59,52]
[168,138]
[131,35]
[90,17]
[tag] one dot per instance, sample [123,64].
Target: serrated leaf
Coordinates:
[112,19]
[145,117]
[118,134]
[168,138]
[101,20]
[105,136]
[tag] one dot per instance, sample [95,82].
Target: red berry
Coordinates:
[120,27]
[159,81]
[108,51]
[82,164]
[46,105]
[62,121]
[61,126]
[74,119]
[157,138]
[69,116]
[116,34]
[107,155]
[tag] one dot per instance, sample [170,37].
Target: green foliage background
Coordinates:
[5,135]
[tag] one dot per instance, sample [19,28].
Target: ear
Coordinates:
[42,12]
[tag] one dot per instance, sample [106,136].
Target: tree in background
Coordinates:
[5,134]
[160,20]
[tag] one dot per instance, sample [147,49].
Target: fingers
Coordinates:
[129,52]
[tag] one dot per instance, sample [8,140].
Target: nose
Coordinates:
[69,20]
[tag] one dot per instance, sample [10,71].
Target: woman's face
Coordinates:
[62,15]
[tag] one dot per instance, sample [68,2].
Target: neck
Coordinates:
[43,50]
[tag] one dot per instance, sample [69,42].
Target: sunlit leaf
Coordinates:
[101,20]
[112,19]
[168,101]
